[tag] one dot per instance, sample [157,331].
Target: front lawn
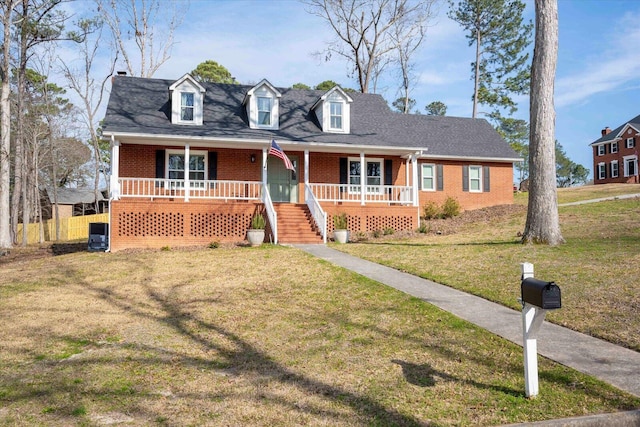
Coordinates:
[254,336]
[597,269]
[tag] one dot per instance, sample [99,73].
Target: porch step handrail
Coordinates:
[391,194]
[318,214]
[271,212]
[198,189]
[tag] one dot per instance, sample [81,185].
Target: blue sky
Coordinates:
[597,81]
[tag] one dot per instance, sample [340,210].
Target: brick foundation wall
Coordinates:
[372,218]
[155,224]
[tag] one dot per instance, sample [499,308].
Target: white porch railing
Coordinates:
[319,215]
[271,213]
[198,189]
[390,194]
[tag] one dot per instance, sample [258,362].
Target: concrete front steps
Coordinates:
[295,224]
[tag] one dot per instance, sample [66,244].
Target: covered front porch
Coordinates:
[377,191]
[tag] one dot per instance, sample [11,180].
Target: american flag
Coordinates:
[277,151]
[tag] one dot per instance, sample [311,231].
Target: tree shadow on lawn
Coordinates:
[243,357]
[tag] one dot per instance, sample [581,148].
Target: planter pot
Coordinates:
[341,236]
[255,237]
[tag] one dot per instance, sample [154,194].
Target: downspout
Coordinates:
[414,161]
[187,170]
[363,179]
[114,193]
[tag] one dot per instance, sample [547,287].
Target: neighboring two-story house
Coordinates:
[190,162]
[615,154]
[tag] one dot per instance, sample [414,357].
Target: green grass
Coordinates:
[256,337]
[597,268]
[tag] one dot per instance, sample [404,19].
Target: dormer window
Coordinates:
[187,106]
[333,111]
[187,98]
[262,103]
[264,111]
[336,115]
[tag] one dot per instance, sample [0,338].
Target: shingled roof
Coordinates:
[142,106]
[614,134]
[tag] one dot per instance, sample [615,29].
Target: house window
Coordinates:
[614,147]
[197,167]
[614,169]
[475,178]
[630,166]
[187,106]
[601,150]
[264,111]
[630,143]
[602,171]
[336,115]
[428,177]
[373,178]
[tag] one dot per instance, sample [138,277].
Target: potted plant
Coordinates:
[340,231]
[255,234]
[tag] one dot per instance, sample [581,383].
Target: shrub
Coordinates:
[258,222]
[377,233]
[424,228]
[361,236]
[450,208]
[431,210]
[340,221]
[388,231]
[214,245]
[165,248]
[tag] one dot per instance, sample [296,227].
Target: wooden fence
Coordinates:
[74,228]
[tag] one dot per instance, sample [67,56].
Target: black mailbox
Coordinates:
[540,293]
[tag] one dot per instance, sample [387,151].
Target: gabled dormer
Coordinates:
[333,111]
[262,103]
[187,98]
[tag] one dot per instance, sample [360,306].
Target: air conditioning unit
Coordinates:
[98,236]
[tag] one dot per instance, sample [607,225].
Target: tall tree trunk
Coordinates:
[476,83]
[543,224]
[5,128]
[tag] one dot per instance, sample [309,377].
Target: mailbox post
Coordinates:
[537,298]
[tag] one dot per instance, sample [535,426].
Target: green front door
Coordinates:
[283,183]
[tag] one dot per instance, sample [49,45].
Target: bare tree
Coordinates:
[7,8]
[363,30]
[140,20]
[543,224]
[91,92]
[407,35]
[40,21]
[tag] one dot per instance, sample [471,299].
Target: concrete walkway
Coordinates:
[602,199]
[610,363]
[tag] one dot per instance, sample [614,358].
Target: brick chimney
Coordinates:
[606,131]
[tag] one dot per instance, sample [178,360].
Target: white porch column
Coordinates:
[363,179]
[264,166]
[414,169]
[187,186]
[306,167]
[406,172]
[115,169]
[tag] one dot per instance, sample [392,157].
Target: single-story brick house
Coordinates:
[221,134]
[615,154]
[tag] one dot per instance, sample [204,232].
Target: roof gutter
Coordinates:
[253,143]
[249,143]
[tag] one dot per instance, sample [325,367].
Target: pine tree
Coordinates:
[501,66]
